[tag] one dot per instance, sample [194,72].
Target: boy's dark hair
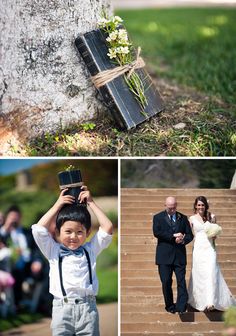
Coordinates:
[76,213]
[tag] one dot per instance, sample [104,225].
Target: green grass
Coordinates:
[16,321]
[191,56]
[107,272]
[108,284]
[194,46]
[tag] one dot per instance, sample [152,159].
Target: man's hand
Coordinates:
[179,237]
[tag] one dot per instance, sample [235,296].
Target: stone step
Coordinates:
[156,300]
[177,192]
[159,308]
[149,216]
[216,203]
[185,210]
[228,231]
[171,327]
[154,281]
[149,256]
[148,239]
[148,224]
[174,333]
[145,265]
[146,317]
[148,290]
[148,299]
[221,248]
[151,273]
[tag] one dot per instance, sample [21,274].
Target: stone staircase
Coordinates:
[142,305]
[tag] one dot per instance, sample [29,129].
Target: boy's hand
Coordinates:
[85,195]
[64,199]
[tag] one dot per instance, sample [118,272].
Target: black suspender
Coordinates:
[60,272]
[60,275]
[89,265]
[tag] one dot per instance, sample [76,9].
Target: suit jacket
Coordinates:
[168,251]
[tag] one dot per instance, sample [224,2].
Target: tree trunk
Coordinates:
[45,84]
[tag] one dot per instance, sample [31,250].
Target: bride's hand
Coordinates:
[178,235]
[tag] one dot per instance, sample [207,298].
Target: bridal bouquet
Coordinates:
[212,230]
[120,50]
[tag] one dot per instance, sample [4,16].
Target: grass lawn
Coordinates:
[16,321]
[191,56]
[195,47]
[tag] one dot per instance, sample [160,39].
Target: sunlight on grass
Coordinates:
[208,32]
[152,27]
[219,20]
[179,39]
[233,139]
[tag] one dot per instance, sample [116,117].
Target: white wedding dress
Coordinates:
[207,286]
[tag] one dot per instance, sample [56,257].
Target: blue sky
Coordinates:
[11,166]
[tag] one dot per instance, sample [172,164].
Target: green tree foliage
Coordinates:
[177,173]
[100,175]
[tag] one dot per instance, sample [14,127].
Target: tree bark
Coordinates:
[44,82]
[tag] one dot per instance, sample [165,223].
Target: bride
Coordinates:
[207,287]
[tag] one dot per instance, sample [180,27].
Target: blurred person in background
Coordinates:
[1,218]
[6,280]
[36,284]
[13,234]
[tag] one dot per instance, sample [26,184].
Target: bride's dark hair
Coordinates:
[207,214]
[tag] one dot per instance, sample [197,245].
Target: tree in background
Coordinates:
[44,84]
[177,173]
[101,176]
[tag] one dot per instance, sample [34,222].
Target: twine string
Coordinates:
[107,76]
[71,185]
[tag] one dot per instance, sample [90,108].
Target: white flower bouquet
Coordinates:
[120,50]
[212,230]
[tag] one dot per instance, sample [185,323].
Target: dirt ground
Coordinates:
[108,315]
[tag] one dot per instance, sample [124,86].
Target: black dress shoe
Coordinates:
[171,310]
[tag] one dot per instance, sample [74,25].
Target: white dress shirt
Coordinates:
[75,271]
[19,241]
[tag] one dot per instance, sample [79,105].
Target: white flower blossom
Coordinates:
[122,34]
[112,53]
[117,19]
[122,50]
[102,22]
[112,36]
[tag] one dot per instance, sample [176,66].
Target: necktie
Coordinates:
[65,251]
[172,222]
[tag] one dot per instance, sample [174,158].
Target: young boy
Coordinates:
[73,281]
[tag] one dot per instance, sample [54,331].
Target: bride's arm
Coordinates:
[190,222]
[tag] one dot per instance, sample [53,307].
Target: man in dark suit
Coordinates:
[173,232]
